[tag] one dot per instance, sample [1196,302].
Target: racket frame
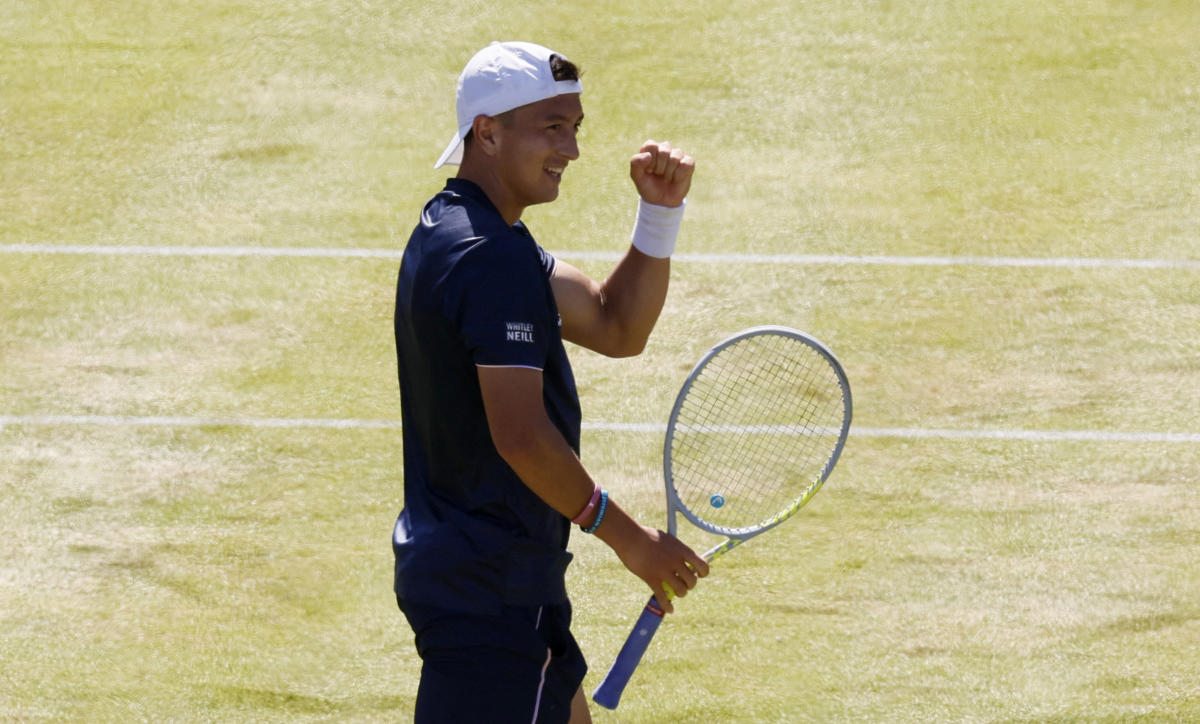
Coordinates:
[608,693]
[736,536]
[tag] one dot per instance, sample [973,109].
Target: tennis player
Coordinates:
[491,418]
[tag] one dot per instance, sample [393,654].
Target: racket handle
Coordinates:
[608,694]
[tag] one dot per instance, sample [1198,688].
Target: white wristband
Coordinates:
[656,228]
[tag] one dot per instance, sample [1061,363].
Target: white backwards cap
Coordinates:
[499,78]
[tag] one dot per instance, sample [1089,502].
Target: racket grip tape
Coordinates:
[608,694]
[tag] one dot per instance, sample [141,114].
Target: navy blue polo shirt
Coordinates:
[473,290]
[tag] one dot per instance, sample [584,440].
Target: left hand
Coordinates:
[661,173]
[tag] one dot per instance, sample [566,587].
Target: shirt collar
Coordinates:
[472,191]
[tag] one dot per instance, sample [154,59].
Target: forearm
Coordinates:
[539,454]
[548,466]
[616,317]
[637,288]
[634,294]
[557,476]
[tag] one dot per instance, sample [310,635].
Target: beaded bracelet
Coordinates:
[600,515]
[583,514]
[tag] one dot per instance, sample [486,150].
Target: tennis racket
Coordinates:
[755,431]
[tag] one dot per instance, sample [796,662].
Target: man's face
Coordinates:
[537,143]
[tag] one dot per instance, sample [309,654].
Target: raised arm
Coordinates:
[615,317]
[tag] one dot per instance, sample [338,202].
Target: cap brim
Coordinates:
[454,151]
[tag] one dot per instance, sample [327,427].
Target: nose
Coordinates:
[570,145]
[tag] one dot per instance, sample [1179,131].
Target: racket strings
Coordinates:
[757,427]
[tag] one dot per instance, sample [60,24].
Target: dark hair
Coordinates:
[560,67]
[563,69]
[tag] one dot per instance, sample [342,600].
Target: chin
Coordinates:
[545,198]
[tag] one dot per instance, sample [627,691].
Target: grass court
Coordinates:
[989,210]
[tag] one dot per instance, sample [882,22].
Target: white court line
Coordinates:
[1027,435]
[640,427]
[787,259]
[173,421]
[252,251]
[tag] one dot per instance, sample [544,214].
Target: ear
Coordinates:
[486,131]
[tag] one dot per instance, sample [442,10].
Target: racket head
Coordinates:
[760,421]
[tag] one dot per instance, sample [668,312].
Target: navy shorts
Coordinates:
[521,666]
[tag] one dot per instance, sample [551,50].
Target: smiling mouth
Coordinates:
[556,172]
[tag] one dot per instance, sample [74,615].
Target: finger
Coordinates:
[641,162]
[687,581]
[687,166]
[669,165]
[649,145]
[698,564]
[662,158]
[664,594]
[673,162]
[645,156]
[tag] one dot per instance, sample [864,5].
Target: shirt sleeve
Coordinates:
[505,311]
[548,262]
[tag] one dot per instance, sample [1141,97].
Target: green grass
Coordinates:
[238,574]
